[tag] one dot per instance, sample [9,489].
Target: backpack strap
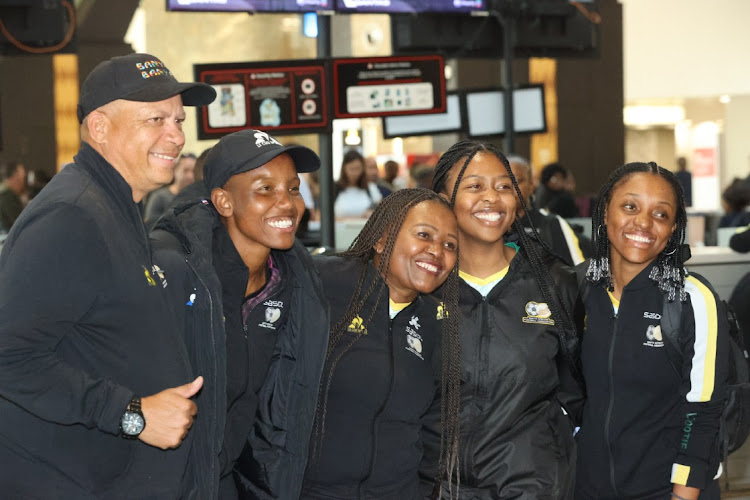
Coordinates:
[583,284]
[671,315]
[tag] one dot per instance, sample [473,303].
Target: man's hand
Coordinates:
[169,415]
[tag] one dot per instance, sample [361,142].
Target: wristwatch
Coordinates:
[132,422]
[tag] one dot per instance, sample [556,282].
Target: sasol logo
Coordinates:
[649,315]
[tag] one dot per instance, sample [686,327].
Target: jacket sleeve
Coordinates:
[571,392]
[704,373]
[52,270]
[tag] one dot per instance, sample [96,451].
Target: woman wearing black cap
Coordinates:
[244,288]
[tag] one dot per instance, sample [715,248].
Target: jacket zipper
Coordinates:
[609,409]
[466,446]
[373,451]
[214,451]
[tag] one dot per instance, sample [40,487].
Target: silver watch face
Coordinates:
[132,423]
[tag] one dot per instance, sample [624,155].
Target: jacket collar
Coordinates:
[115,188]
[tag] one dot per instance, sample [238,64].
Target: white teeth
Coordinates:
[281,224]
[488,216]
[163,157]
[639,239]
[428,267]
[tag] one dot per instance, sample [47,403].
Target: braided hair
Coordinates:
[459,156]
[386,221]
[669,272]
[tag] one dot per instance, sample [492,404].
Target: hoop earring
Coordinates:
[670,253]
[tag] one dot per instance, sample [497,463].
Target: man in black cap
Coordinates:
[95,378]
[254,316]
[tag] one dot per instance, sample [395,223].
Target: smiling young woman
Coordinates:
[650,429]
[392,350]
[518,337]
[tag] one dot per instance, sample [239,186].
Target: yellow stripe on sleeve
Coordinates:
[574,246]
[680,474]
[703,369]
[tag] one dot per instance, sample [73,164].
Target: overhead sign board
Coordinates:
[388,86]
[283,97]
[250,5]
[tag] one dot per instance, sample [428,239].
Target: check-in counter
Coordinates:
[721,266]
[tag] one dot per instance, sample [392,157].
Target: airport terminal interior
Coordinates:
[596,84]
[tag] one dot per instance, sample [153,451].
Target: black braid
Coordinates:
[530,244]
[669,272]
[387,220]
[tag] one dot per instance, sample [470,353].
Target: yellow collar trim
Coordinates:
[614,301]
[483,281]
[398,306]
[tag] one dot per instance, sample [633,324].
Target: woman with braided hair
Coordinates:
[518,337]
[392,349]
[651,421]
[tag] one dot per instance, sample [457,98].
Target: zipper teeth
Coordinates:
[216,369]
[373,451]
[609,409]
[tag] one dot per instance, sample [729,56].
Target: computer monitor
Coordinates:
[485,111]
[427,124]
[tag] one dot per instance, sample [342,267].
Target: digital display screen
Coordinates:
[249,5]
[432,123]
[485,111]
[410,6]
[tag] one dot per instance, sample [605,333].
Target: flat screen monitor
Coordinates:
[485,111]
[412,6]
[428,124]
[249,5]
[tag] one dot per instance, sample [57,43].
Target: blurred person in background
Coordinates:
[553,192]
[353,199]
[13,186]
[373,177]
[35,181]
[552,228]
[392,178]
[159,200]
[735,200]
[686,180]
[420,176]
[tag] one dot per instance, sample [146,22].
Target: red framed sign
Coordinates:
[281,97]
[388,86]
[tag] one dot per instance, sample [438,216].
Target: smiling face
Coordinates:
[640,219]
[486,201]
[424,253]
[262,207]
[141,140]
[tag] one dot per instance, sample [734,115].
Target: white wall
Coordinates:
[686,48]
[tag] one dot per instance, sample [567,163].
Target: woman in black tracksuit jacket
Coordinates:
[259,345]
[651,420]
[387,355]
[518,340]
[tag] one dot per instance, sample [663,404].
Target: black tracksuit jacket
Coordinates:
[515,440]
[85,324]
[379,392]
[261,381]
[644,425]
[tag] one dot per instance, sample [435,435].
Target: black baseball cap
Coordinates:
[249,149]
[137,77]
